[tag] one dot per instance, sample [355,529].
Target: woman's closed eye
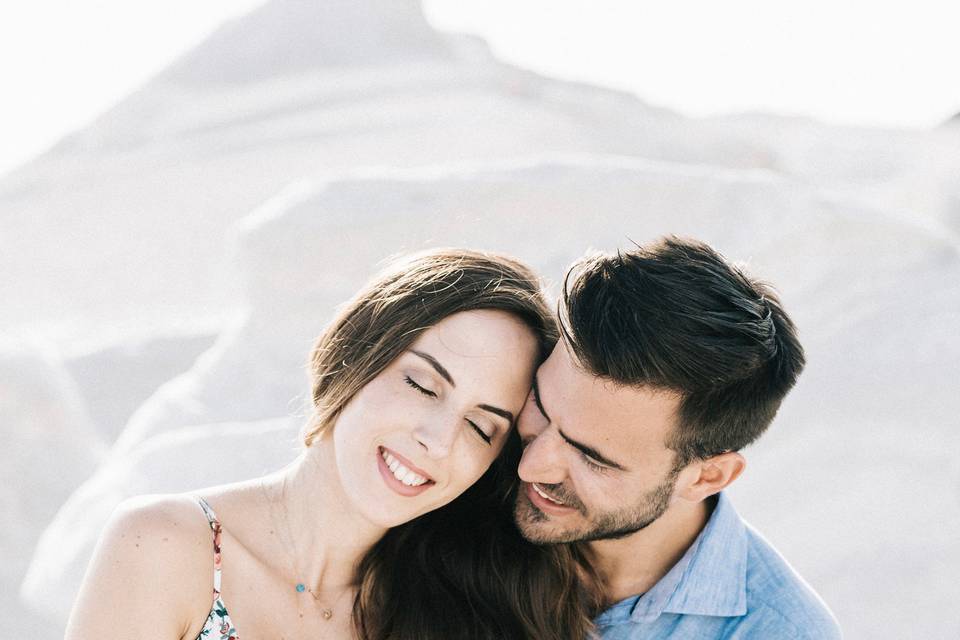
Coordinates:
[480,432]
[427,392]
[486,437]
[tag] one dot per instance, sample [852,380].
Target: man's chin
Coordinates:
[549,533]
[539,528]
[539,535]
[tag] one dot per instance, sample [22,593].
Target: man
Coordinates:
[671,361]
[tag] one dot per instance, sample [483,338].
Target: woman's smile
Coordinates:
[401,475]
[435,417]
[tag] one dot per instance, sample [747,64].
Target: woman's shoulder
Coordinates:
[154,561]
[181,518]
[162,523]
[166,537]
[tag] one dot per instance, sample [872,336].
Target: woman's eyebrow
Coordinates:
[503,413]
[439,368]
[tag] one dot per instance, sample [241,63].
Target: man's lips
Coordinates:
[545,502]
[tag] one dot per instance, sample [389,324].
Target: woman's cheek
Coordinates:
[481,464]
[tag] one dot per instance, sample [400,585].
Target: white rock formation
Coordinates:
[398,138]
[115,378]
[49,447]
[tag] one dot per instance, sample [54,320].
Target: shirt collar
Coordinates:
[714,582]
[709,580]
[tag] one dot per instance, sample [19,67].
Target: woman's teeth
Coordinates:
[401,473]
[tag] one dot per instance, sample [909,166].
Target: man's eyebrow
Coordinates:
[590,451]
[436,365]
[536,398]
[503,413]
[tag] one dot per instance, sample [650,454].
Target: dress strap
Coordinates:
[215,527]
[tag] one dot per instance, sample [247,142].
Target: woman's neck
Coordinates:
[323,534]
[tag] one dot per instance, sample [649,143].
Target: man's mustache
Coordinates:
[561,494]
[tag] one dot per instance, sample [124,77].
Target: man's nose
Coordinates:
[543,460]
[531,422]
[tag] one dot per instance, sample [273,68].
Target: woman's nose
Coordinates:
[437,436]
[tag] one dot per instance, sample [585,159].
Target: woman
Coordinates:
[396,519]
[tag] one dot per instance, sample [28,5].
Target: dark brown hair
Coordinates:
[675,315]
[462,571]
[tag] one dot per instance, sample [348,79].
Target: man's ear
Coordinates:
[707,477]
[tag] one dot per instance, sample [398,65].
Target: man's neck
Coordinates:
[633,565]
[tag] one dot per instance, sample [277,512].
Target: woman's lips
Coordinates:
[407,463]
[545,504]
[395,484]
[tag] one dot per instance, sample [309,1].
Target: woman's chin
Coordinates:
[389,516]
[384,508]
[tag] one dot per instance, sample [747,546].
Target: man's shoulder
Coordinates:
[778,597]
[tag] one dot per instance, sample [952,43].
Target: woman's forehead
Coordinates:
[477,334]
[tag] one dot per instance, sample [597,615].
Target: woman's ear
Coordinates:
[707,477]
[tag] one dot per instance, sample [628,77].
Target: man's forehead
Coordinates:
[603,410]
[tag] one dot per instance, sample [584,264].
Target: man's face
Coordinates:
[595,464]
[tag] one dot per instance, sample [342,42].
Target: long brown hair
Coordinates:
[464,570]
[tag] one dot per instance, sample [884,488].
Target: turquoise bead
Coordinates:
[301,588]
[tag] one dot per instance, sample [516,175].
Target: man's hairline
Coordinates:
[582,367]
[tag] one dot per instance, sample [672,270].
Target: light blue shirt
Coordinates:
[731,585]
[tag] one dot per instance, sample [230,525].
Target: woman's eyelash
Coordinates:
[431,394]
[422,390]
[479,431]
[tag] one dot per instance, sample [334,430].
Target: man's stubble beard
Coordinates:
[608,525]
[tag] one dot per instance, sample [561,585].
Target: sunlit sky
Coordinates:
[854,62]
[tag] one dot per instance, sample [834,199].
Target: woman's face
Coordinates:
[429,425]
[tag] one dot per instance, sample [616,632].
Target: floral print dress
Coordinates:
[218,625]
